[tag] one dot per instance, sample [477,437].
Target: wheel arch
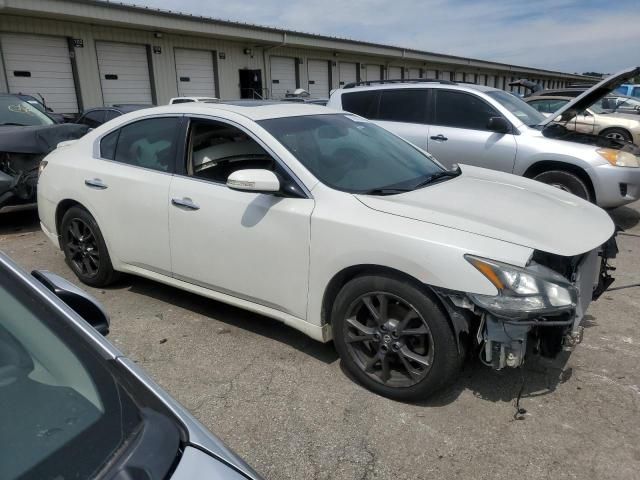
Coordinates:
[604,131]
[547,165]
[458,320]
[62,208]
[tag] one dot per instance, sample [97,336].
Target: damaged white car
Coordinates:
[336,227]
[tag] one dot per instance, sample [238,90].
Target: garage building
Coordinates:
[78,54]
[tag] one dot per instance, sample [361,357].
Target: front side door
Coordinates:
[249,245]
[127,188]
[458,133]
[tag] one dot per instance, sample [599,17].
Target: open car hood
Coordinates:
[38,139]
[591,96]
[505,207]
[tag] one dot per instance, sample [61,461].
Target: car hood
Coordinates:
[505,207]
[591,96]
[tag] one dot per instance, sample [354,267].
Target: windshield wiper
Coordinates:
[14,124]
[438,176]
[384,191]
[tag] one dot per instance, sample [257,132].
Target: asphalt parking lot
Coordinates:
[282,401]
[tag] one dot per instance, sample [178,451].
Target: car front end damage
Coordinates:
[538,310]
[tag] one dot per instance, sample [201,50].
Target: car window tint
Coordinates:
[403,106]
[108,145]
[182,100]
[462,110]
[93,119]
[364,104]
[636,92]
[111,114]
[217,149]
[148,143]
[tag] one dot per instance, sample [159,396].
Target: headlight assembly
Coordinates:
[618,158]
[523,292]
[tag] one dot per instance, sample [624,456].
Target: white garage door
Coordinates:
[195,73]
[394,73]
[414,73]
[347,73]
[491,80]
[318,74]
[459,77]
[371,72]
[283,76]
[37,64]
[124,73]
[445,75]
[431,74]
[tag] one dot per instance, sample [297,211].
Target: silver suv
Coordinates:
[486,127]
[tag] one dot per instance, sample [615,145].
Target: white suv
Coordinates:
[335,226]
[486,127]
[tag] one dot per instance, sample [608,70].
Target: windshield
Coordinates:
[351,154]
[525,113]
[14,111]
[619,104]
[62,413]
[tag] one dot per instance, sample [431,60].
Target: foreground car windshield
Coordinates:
[525,113]
[14,111]
[57,398]
[351,154]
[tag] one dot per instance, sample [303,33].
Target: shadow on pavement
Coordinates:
[15,222]
[625,217]
[236,317]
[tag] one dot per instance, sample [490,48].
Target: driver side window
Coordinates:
[216,150]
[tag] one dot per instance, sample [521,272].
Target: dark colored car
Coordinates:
[26,136]
[95,117]
[41,105]
[73,406]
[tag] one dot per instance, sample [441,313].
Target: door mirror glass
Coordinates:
[254,180]
[78,300]
[498,125]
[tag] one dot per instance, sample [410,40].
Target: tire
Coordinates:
[617,134]
[417,365]
[567,181]
[84,248]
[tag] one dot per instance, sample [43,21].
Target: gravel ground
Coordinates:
[283,402]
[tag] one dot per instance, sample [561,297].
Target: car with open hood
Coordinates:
[335,226]
[73,406]
[490,128]
[26,136]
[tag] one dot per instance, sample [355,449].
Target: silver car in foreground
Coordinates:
[462,123]
[72,406]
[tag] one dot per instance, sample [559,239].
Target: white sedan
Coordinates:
[334,226]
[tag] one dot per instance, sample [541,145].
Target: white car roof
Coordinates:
[254,110]
[418,84]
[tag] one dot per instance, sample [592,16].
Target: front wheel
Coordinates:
[394,338]
[567,181]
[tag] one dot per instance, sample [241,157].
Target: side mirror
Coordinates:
[78,300]
[254,180]
[498,125]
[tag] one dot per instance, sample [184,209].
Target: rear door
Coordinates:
[404,112]
[124,73]
[127,187]
[459,134]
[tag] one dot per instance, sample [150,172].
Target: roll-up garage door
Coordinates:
[444,75]
[124,73]
[283,76]
[348,73]
[195,73]
[459,77]
[431,74]
[414,73]
[318,74]
[394,73]
[40,65]
[372,72]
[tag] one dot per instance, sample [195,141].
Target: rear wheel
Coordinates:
[393,337]
[567,181]
[84,248]
[617,134]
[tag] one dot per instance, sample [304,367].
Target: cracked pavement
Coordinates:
[282,401]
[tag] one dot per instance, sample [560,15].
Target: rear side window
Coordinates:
[636,92]
[111,114]
[93,119]
[408,106]
[364,104]
[148,143]
[462,110]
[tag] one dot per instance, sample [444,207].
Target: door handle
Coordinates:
[439,137]
[185,203]
[95,183]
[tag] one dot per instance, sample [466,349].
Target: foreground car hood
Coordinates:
[505,207]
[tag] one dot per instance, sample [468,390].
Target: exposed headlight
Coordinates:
[41,167]
[618,158]
[523,292]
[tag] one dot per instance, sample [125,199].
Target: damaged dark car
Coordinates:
[27,135]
